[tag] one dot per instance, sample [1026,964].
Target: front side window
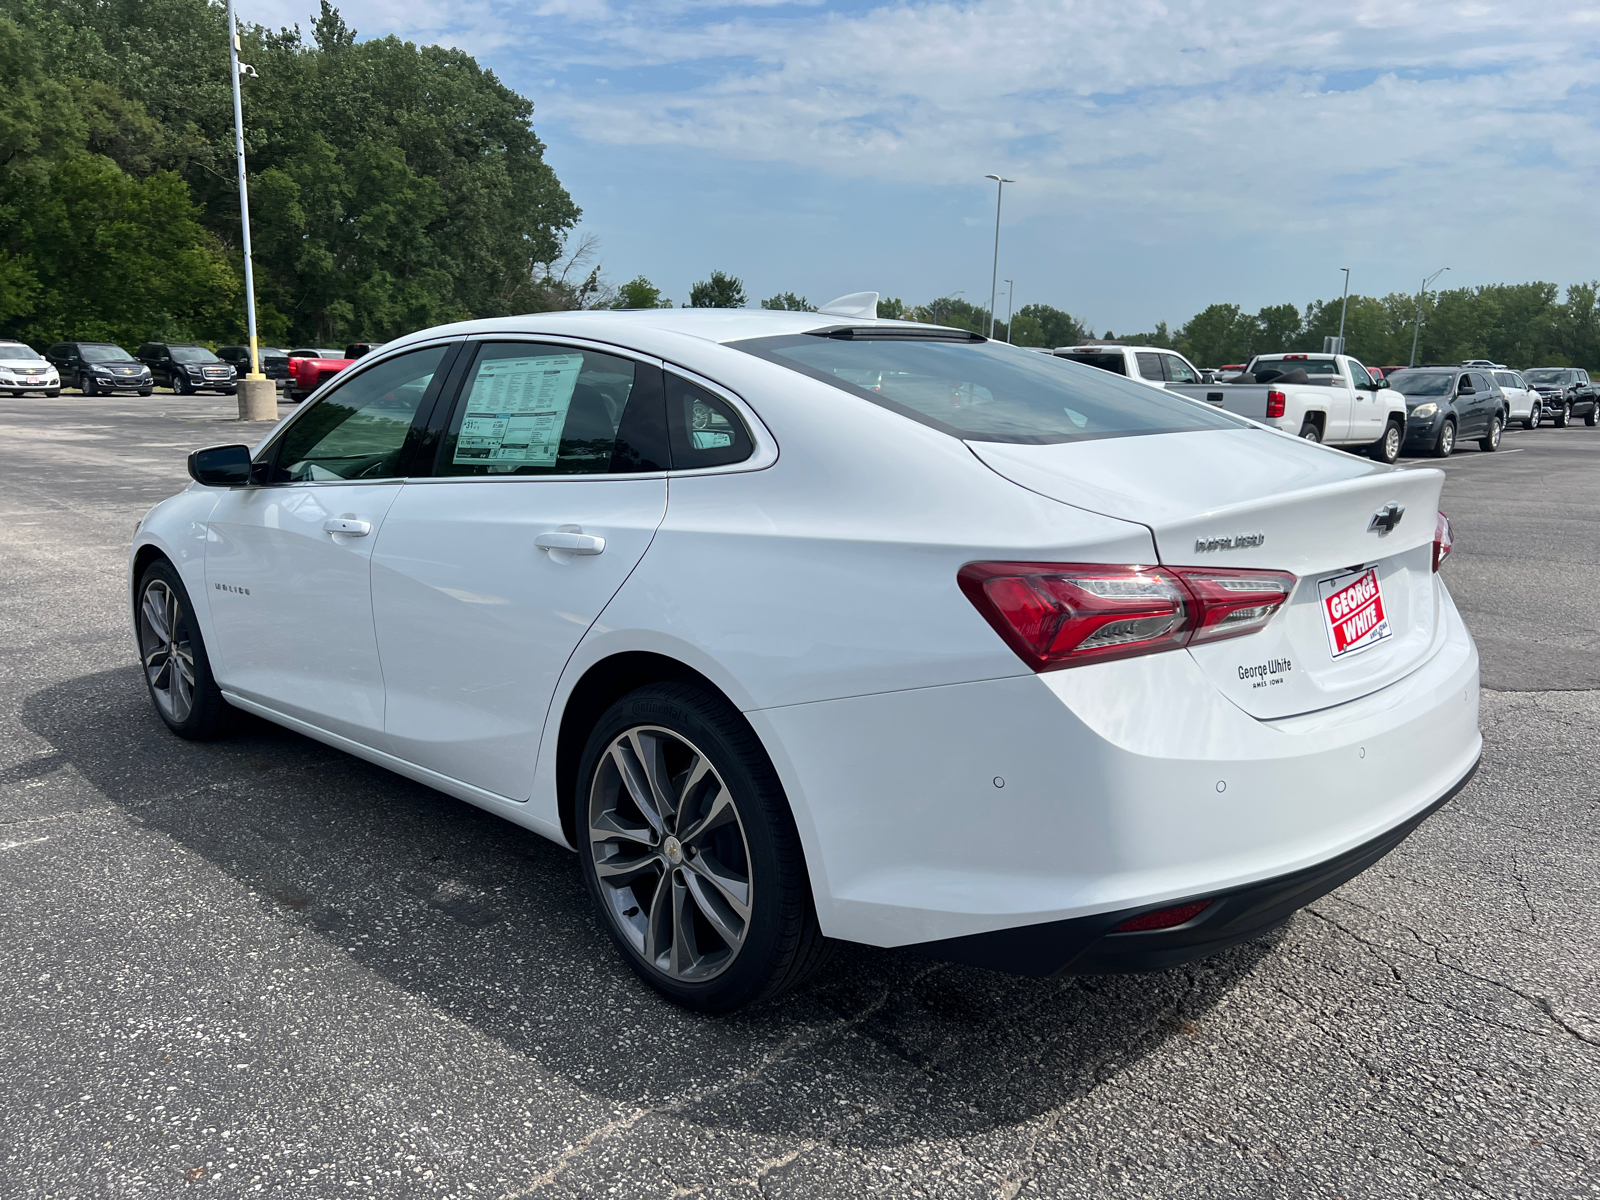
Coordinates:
[1359,375]
[1179,371]
[360,428]
[988,391]
[528,408]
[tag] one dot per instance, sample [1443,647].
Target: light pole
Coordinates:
[244,195]
[994,277]
[1011,296]
[1344,304]
[1417,329]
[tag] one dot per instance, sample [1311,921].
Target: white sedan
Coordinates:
[803,627]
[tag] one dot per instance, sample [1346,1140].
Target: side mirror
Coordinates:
[221,466]
[1381,384]
[1466,389]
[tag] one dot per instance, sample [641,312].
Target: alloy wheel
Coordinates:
[166,651]
[1495,430]
[670,854]
[1391,444]
[1447,439]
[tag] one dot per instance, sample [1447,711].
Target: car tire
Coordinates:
[1310,432]
[1490,442]
[1592,417]
[181,389]
[86,385]
[1445,444]
[1564,417]
[146,391]
[172,653]
[1387,448]
[670,886]
[53,395]
[1532,421]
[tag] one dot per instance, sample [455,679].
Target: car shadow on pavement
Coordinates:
[491,925]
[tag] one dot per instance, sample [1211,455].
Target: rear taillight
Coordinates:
[1057,615]
[1443,536]
[1275,403]
[1164,918]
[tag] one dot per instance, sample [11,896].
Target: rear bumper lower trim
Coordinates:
[1086,945]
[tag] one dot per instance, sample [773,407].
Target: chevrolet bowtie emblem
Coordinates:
[1386,518]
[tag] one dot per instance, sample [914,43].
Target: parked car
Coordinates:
[274,363]
[357,350]
[309,368]
[829,693]
[1522,402]
[1320,397]
[1446,404]
[1565,392]
[187,368]
[24,370]
[1147,364]
[99,367]
[1484,363]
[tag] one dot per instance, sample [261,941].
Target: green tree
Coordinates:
[787,302]
[891,309]
[1042,325]
[639,292]
[720,291]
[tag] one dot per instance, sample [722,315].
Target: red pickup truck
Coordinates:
[310,368]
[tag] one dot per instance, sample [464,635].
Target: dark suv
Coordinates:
[187,368]
[1447,404]
[274,362]
[1565,392]
[95,368]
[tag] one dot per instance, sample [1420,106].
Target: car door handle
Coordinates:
[347,527]
[571,541]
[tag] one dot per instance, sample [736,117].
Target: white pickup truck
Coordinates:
[1322,397]
[1143,364]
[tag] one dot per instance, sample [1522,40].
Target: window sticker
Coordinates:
[517,410]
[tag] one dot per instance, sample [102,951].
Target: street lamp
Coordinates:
[994,277]
[1417,329]
[1011,289]
[244,194]
[1343,304]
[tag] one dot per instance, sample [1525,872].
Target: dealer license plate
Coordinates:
[1352,610]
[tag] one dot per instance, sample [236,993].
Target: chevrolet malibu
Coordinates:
[808,627]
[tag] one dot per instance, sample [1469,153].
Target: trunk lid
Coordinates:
[1254,498]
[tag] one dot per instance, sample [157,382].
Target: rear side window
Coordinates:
[1150,366]
[529,408]
[705,429]
[988,391]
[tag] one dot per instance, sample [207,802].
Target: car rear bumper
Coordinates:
[1092,945]
[942,813]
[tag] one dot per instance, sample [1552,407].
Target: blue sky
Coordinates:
[1167,154]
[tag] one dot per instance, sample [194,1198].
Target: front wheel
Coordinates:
[1593,415]
[86,385]
[1490,442]
[1446,444]
[177,669]
[146,391]
[1533,419]
[1564,417]
[689,850]
[1387,448]
[1310,432]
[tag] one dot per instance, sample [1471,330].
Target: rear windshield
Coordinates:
[1423,383]
[1318,370]
[988,391]
[1114,363]
[193,354]
[1547,375]
[105,354]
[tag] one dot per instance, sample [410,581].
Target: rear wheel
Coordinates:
[689,850]
[1387,448]
[1310,432]
[1490,442]
[1533,419]
[176,668]
[1446,443]
[1564,417]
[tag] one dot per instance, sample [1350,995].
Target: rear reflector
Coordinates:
[1056,615]
[1164,918]
[1275,403]
[1443,537]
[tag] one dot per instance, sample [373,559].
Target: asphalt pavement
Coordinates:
[261,967]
